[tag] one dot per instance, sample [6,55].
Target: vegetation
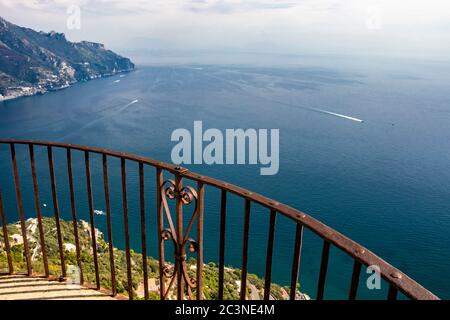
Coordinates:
[210,270]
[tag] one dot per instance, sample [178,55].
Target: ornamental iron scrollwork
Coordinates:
[184,196]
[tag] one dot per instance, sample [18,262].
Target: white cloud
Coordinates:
[290,26]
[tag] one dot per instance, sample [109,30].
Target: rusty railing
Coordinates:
[170,229]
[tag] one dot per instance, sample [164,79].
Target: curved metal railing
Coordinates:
[173,190]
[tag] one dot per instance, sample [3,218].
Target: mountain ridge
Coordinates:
[35,62]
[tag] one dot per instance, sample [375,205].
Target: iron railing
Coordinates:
[168,229]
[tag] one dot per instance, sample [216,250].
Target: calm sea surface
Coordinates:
[384,183]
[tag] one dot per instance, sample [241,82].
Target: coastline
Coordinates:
[35,91]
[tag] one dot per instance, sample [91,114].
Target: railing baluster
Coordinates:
[74,214]
[159,210]
[268,280]
[223,221]
[5,236]
[296,260]
[323,270]
[56,210]
[392,294]
[127,234]
[180,251]
[143,229]
[20,209]
[38,210]
[355,280]
[245,249]
[109,226]
[91,216]
[201,205]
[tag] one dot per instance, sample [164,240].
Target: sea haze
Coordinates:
[383,182]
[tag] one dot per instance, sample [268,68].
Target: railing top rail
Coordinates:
[401,281]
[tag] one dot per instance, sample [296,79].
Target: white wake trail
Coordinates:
[132,102]
[337,115]
[95,121]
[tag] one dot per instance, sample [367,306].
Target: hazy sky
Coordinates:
[409,27]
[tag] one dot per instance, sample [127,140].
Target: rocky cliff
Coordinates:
[34,62]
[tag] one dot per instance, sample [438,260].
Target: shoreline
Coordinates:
[40,92]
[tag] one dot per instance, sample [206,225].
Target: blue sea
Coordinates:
[384,183]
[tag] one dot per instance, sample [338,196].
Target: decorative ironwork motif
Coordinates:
[184,196]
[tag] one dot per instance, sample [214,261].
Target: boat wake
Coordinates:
[101,118]
[343,116]
[337,115]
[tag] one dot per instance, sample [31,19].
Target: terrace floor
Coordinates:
[20,287]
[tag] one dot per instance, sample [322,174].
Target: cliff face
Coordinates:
[36,62]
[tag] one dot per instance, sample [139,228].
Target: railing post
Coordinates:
[223,221]
[323,270]
[143,228]
[74,214]
[38,210]
[126,228]
[56,210]
[159,210]
[243,292]
[5,236]
[355,280]
[180,255]
[392,294]
[92,219]
[268,280]
[109,226]
[201,195]
[20,209]
[296,260]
